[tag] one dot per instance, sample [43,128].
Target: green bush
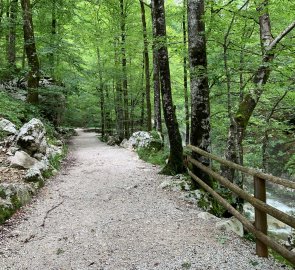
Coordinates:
[16,111]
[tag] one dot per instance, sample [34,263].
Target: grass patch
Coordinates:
[153,156]
[279,258]
[16,111]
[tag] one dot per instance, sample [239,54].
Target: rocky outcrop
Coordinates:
[22,160]
[31,137]
[12,196]
[8,127]
[27,152]
[143,139]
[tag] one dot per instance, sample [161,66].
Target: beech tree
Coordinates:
[175,163]
[200,107]
[31,52]
[260,78]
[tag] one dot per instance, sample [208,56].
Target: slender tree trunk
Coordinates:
[11,56]
[185,81]
[108,117]
[265,140]
[200,107]
[53,39]
[143,93]
[231,152]
[124,69]
[268,44]
[156,80]
[101,94]
[175,164]
[147,69]
[31,52]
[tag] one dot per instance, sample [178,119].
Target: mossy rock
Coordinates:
[6,210]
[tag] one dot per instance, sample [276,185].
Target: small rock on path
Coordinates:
[106,212]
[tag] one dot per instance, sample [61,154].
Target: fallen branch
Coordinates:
[49,211]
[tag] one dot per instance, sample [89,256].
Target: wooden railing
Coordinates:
[259,229]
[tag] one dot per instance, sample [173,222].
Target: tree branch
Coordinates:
[145,3]
[275,42]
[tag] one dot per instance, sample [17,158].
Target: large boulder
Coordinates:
[31,137]
[231,224]
[8,127]
[22,160]
[12,197]
[144,139]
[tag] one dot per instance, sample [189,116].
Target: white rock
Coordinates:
[31,136]
[231,224]
[125,144]
[22,160]
[7,126]
[165,184]
[52,151]
[207,216]
[142,139]
[34,175]
[12,150]
[43,165]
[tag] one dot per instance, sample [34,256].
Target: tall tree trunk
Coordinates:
[200,107]
[124,69]
[268,44]
[30,46]
[143,93]
[11,56]
[100,89]
[156,80]
[185,83]
[175,164]
[147,69]
[118,99]
[108,117]
[53,38]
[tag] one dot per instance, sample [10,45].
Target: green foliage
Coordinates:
[279,258]
[153,156]
[17,111]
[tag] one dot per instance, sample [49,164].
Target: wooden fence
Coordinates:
[259,229]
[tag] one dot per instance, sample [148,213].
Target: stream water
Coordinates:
[275,227]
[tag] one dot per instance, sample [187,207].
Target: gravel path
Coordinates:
[106,211]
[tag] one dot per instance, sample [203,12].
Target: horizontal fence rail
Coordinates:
[259,229]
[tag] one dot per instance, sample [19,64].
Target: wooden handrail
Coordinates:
[250,171]
[243,194]
[289,255]
[258,201]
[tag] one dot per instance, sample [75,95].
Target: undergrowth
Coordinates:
[153,155]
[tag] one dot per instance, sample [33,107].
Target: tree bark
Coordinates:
[100,89]
[200,107]
[11,56]
[185,80]
[31,52]
[53,39]
[147,69]
[124,69]
[156,80]
[118,98]
[268,44]
[175,164]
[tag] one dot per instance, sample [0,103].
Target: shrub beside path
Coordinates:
[105,211]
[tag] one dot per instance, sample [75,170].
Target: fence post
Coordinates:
[260,216]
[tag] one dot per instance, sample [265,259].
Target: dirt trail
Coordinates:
[106,211]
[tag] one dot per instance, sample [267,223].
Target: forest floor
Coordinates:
[105,210]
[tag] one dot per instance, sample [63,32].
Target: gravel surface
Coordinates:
[106,211]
